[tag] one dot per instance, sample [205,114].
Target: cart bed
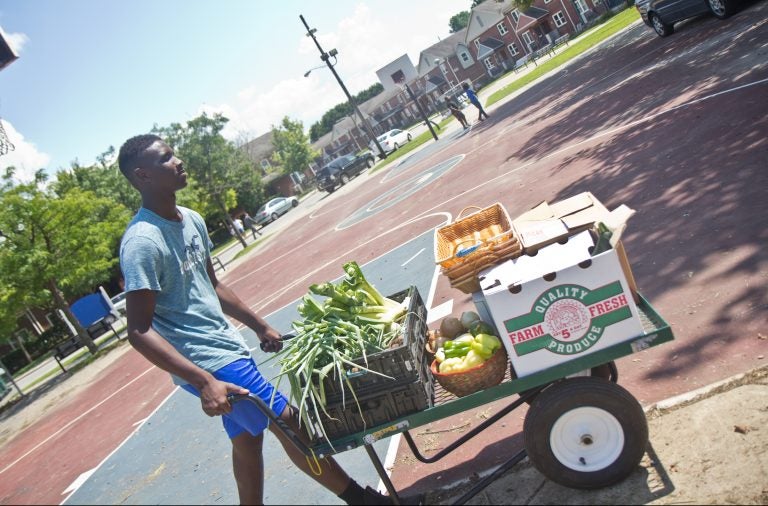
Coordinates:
[657,331]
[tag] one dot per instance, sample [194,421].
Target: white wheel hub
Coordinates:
[587,439]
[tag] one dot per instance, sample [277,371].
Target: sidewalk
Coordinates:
[709,446]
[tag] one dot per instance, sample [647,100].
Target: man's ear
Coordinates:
[140,175]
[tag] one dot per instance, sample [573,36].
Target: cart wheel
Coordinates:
[585,432]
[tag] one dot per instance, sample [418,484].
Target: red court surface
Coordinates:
[661,125]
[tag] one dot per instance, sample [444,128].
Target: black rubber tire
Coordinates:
[409,137]
[295,203]
[344,179]
[370,163]
[661,28]
[609,402]
[722,9]
[394,148]
[275,216]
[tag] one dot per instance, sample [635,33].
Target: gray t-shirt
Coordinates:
[169,257]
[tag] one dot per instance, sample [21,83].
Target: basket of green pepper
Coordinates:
[468,364]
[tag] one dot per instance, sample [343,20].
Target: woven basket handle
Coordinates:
[459,216]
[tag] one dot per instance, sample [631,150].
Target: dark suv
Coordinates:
[338,172]
[661,15]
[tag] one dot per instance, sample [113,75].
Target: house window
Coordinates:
[477,43]
[559,19]
[488,63]
[513,49]
[515,15]
[502,29]
[464,57]
[547,1]
[581,6]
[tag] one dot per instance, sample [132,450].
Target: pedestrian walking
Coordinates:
[177,318]
[251,224]
[238,226]
[454,108]
[472,96]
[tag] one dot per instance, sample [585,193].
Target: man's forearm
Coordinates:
[158,351]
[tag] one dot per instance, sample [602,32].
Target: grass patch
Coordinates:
[580,45]
[250,247]
[410,146]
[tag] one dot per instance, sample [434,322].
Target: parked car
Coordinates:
[275,208]
[391,140]
[339,171]
[661,15]
[119,302]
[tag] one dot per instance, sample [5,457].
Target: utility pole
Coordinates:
[325,57]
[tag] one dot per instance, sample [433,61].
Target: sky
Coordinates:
[92,73]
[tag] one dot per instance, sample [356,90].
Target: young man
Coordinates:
[456,112]
[251,224]
[176,318]
[472,96]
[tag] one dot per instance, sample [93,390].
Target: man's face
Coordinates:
[160,169]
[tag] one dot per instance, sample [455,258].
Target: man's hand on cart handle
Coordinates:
[275,346]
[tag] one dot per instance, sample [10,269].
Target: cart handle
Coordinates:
[283,427]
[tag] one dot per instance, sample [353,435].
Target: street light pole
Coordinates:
[325,57]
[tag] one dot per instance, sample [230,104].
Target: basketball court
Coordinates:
[657,124]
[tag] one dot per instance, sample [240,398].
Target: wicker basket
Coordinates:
[471,235]
[464,277]
[483,376]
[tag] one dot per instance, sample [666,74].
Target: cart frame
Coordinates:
[657,331]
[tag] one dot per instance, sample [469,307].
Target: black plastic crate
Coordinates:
[373,409]
[403,364]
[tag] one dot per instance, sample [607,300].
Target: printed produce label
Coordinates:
[568,319]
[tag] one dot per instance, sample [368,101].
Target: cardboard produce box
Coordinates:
[559,304]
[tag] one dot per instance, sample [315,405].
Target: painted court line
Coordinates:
[65,427]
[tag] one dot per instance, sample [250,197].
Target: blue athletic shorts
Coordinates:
[246,415]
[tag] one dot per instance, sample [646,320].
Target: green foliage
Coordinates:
[293,152]
[53,241]
[458,21]
[341,111]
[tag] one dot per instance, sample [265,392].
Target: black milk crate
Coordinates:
[403,364]
[373,408]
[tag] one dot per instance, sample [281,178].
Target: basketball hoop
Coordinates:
[5,144]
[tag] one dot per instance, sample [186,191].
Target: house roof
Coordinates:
[530,17]
[259,148]
[443,49]
[487,47]
[485,16]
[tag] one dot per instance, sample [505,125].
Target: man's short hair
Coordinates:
[132,149]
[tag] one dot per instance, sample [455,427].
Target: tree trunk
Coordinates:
[62,304]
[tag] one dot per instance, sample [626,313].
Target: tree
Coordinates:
[221,176]
[56,247]
[293,152]
[458,21]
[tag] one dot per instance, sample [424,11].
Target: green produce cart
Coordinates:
[581,432]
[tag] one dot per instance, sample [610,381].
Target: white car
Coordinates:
[275,208]
[391,140]
[119,302]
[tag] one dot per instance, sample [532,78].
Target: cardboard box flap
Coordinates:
[552,258]
[571,205]
[541,231]
[541,211]
[617,222]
